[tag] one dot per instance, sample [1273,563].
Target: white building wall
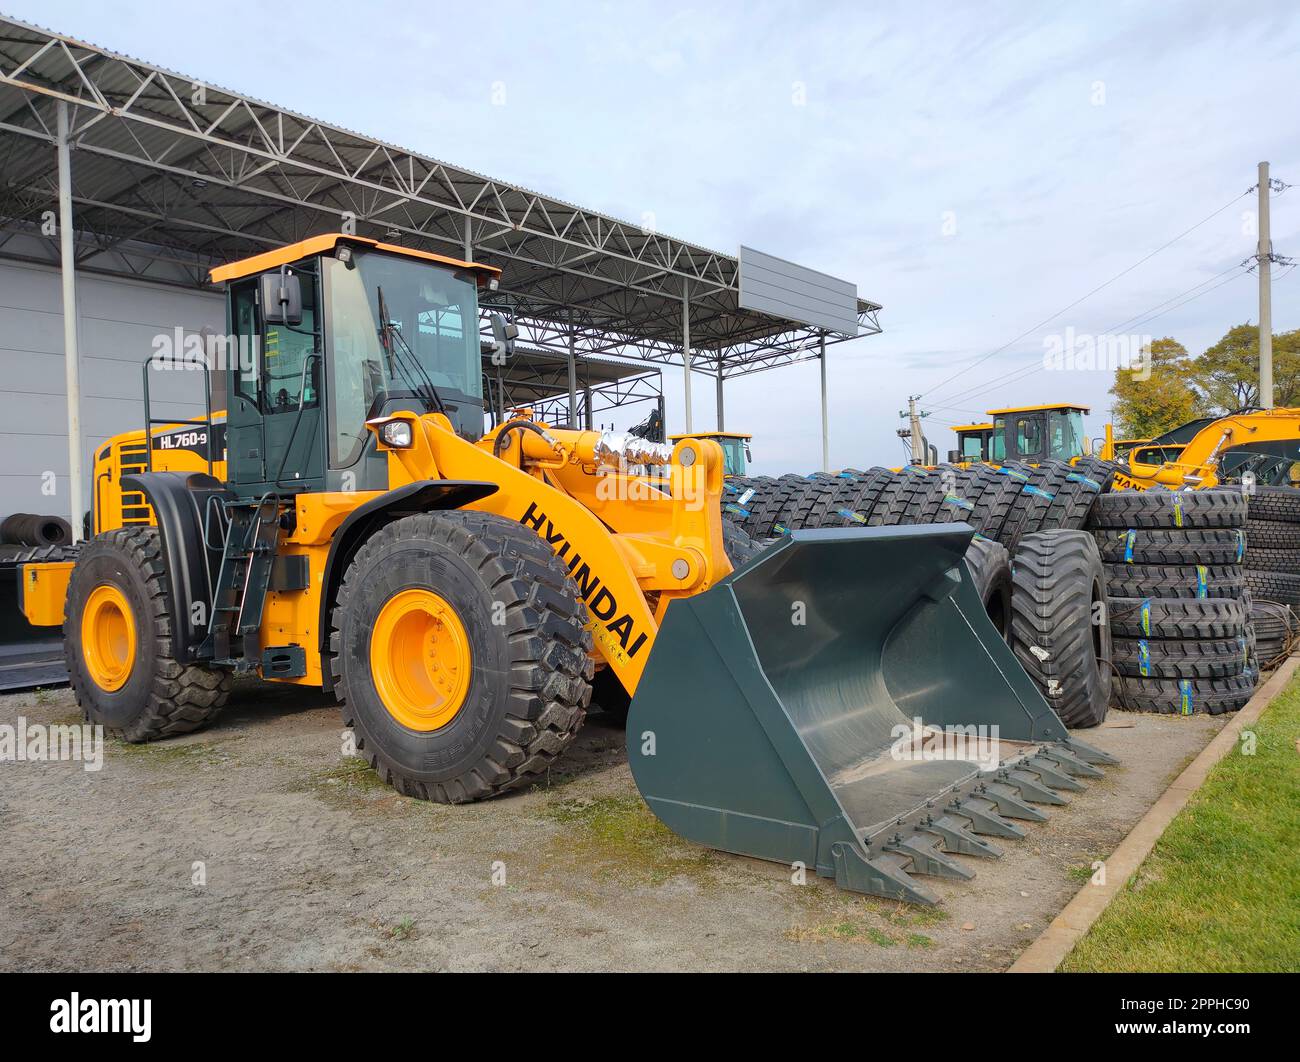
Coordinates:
[118,320]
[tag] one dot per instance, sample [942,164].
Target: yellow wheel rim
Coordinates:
[420,659]
[108,637]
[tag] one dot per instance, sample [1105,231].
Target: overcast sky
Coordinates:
[973,167]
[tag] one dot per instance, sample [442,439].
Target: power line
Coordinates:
[1016,375]
[1082,298]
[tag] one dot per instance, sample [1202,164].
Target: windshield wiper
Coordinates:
[403,362]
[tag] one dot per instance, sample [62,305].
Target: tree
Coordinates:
[1227,374]
[1145,408]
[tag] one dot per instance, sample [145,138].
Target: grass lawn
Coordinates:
[1221,889]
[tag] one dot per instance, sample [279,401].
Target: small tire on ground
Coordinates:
[1163,546]
[1058,632]
[1184,696]
[1274,503]
[1271,534]
[1262,559]
[161,696]
[1281,587]
[1170,509]
[1179,659]
[530,652]
[1178,617]
[1190,580]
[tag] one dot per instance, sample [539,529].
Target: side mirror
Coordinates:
[504,334]
[281,297]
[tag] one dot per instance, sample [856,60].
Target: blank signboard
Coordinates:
[783,289]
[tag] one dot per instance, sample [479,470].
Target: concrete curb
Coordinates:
[1046,953]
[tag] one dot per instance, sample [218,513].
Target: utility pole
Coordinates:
[1265,260]
[913,430]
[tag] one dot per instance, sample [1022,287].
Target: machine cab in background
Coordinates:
[735,448]
[328,333]
[972,443]
[1038,433]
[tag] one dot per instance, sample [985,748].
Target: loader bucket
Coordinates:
[844,702]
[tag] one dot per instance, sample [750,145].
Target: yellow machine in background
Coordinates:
[1262,444]
[1025,433]
[736,454]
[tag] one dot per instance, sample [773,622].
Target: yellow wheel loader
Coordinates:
[841,700]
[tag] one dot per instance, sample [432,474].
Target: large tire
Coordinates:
[1189,580]
[127,677]
[1073,502]
[1170,509]
[991,505]
[1281,587]
[1162,546]
[738,545]
[990,569]
[1274,503]
[520,685]
[1178,617]
[1058,632]
[1184,696]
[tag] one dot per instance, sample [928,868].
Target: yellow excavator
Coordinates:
[1260,445]
[348,525]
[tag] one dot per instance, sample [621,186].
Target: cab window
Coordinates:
[998,444]
[1029,436]
[1065,434]
[972,448]
[284,353]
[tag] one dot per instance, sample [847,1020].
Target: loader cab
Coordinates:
[1038,433]
[972,442]
[735,448]
[334,331]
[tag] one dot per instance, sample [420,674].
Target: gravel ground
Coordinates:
[258,845]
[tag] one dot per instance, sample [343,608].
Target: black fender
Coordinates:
[179,501]
[421,496]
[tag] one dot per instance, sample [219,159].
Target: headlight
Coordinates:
[396,434]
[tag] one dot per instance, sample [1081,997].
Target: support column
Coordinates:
[826,431]
[573,376]
[722,418]
[71,355]
[686,350]
[587,419]
[468,242]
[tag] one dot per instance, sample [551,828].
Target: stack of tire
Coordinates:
[1002,504]
[1179,611]
[1272,574]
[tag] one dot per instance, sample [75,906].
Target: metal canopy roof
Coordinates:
[540,379]
[166,167]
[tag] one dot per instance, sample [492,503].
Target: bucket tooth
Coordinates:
[984,819]
[1032,789]
[885,875]
[1090,753]
[959,836]
[926,857]
[1009,803]
[1053,775]
[1072,764]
